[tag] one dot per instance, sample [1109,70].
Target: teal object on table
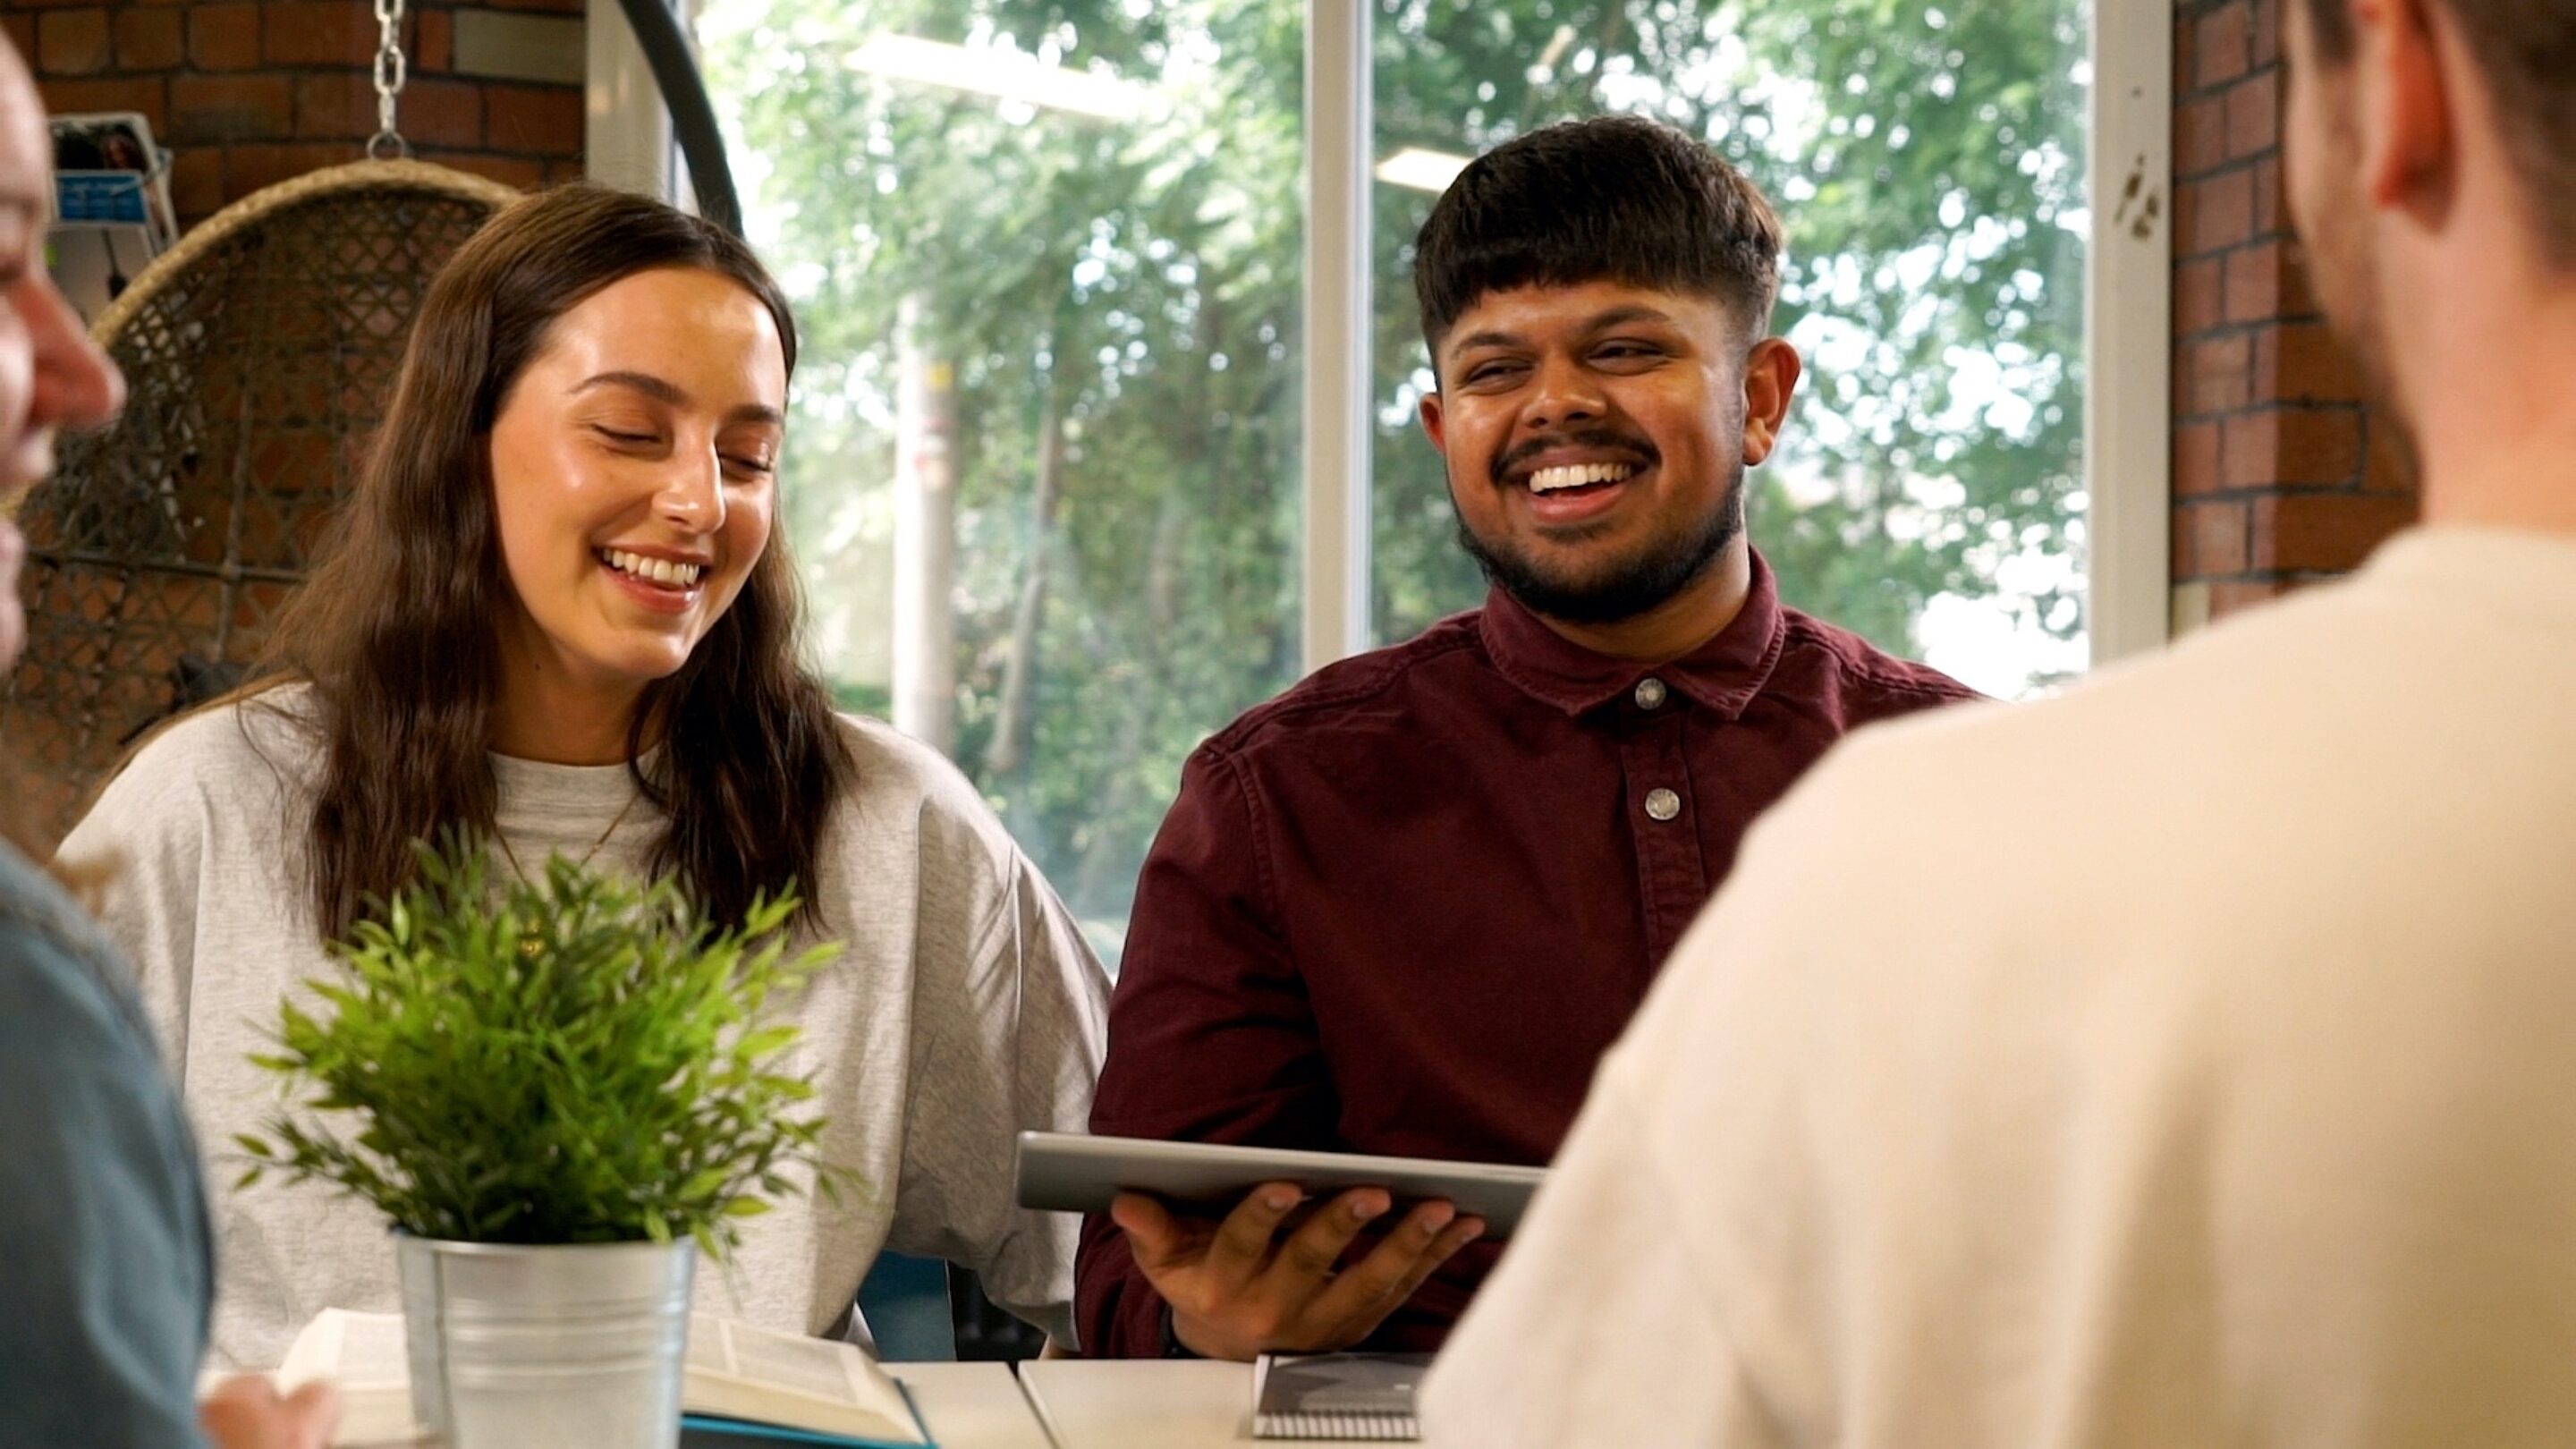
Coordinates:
[905,1301]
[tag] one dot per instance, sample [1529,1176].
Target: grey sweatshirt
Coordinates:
[964,1007]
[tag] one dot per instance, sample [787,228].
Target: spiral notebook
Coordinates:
[1366,1397]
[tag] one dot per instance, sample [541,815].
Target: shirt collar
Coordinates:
[1724,673]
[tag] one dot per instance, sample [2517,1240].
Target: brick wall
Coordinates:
[2279,474]
[250,92]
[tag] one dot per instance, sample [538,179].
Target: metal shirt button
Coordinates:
[1650,693]
[1663,804]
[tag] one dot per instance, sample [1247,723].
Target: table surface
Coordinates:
[967,1406]
[972,1405]
[1144,1403]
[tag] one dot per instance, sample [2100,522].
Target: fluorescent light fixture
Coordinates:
[1422,170]
[1008,75]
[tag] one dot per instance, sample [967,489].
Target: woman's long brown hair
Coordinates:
[397,629]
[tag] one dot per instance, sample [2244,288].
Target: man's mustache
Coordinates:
[1636,450]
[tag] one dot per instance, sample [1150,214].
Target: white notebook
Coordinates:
[1366,1397]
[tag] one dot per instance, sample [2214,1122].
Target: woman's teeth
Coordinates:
[1579,475]
[655,570]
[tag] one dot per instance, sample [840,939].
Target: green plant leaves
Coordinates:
[575,1060]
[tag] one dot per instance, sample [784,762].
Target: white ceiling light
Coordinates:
[1422,170]
[1008,75]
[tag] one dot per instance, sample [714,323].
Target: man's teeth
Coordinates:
[660,571]
[1579,475]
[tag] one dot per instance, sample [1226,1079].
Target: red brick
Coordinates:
[2304,362]
[2210,540]
[546,120]
[342,106]
[231,108]
[440,113]
[2267,282]
[146,94]
[2199,135]
[223,37]
[2195,459]
[2221,45]
[2271,211]
[432,43]
[2199,299]
[151,39]
[197,184]
[2267,32]
[255,167]
[48,4]
[2278,447]
[2253,291]
[2324,532]
[72,42]
[519,171]
[2238,595]
[565,168]
[2254,115]
[2222,212]
[2214,376]
[319,32]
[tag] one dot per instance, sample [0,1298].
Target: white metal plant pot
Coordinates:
[518,1346]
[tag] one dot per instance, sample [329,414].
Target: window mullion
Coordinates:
[1338,332]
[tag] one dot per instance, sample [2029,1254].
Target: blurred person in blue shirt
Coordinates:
[106,1273]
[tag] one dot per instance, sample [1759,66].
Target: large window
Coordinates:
[1046,474]
[1043,473]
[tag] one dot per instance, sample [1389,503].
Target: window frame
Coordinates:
[2127,332]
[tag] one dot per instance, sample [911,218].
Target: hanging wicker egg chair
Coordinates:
[257,354]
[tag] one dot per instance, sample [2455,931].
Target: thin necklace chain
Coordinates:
[586,856]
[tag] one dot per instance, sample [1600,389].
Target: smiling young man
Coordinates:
[1404,907]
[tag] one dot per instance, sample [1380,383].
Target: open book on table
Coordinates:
[744,1385]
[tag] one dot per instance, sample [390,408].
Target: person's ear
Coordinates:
[1434,426]
[1770,380]
[2405,102]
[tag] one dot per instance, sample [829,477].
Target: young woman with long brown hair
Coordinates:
[556,612]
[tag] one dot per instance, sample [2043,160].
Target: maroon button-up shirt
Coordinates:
[1406,906]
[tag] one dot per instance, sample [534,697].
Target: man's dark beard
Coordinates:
[1667,567]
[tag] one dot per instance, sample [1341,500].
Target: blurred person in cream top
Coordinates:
[2197,1069]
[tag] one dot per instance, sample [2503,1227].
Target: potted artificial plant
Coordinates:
[557,1092]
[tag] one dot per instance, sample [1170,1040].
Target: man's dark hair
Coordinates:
[1613,199]
[2526,49]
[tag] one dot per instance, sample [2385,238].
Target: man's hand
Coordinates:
[1238,1289]
[246,1413]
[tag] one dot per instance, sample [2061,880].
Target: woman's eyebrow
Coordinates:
[664,391]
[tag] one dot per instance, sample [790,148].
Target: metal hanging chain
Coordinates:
[391,71]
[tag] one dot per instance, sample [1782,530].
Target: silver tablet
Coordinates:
[1064,1172]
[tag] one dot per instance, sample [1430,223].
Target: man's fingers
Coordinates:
[246,1413]
[1444,1245]
[1312,1251]
[1378,1284]
[312,1412]
[1242,1241]
[1156,1237]
[241,1414]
